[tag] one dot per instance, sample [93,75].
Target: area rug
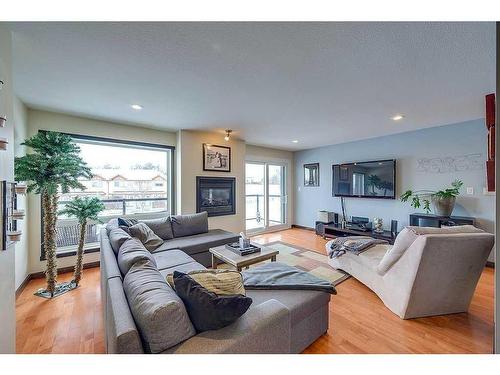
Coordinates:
[305,259]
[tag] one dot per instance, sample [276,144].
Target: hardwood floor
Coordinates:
[359,322]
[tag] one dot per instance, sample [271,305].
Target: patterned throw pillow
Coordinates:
[220,282]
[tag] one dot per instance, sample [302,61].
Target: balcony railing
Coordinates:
[255,211]
[67,231]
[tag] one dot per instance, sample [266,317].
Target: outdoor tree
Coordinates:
[83,209]
[54,166]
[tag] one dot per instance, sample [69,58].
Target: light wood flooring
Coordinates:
[359,322]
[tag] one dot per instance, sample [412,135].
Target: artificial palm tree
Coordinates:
[54,166]
[83,209]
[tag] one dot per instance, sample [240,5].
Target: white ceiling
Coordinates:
[318,83]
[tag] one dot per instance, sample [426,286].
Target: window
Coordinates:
[131,178]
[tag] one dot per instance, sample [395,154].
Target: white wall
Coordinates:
[266,154]
[43,120]
[7,262]
[22,247]
[189,151]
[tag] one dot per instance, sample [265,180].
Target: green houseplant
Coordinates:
[442,200]
[83,209]
[54,166]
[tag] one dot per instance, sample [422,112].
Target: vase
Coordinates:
[443,206]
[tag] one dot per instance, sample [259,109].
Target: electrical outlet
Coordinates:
[470,190]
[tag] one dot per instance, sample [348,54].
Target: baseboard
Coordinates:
[490,264]
[23,285]
[41,275]
[303,227]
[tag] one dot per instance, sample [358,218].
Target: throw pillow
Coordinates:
[126,222]
[220,282]
[131,252]
[144,233]
[117,237]
[159,313]
[162,227]
[188,225]
[207,310]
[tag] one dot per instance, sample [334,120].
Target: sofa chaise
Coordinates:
[284,321]
[428,271]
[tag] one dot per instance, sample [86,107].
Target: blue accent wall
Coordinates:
[443,146]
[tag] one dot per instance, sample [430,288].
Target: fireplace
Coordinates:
[216,195]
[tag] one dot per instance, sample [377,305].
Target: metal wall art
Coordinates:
[9,213]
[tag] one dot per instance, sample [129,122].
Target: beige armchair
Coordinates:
[428,271]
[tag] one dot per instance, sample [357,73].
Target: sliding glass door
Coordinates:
[266,199]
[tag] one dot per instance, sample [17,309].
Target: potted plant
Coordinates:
[442,200]
[83,209]
[54,166]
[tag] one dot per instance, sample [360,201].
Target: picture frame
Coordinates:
[311,174]
[216,158]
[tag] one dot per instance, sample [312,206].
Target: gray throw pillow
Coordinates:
[160,314]
[112,224]
[162,227]
[144,233]
[188,225]
[131,252]
[117,237]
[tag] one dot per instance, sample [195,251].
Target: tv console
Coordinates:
[335,230]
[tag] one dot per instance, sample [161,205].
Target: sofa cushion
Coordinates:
[445,230]
[207,310]
[112,224]
[184,268]
[117,237]
[301,303]
[199,242]
[403,241]
[131,252]
[188,225]
[162,227]
[157,310]
[144,233]
[171,258]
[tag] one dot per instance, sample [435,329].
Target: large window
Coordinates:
[131,179]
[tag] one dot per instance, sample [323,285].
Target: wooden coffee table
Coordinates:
[239,261]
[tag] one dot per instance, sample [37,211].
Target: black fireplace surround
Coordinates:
[216,195]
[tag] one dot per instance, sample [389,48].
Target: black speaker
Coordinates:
[335,218]
[320,228]
[394,227]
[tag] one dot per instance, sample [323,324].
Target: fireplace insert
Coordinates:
[216,195]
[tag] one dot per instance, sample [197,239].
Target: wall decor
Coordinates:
[3,143]
[490,125]
[216,158]
[3,120]
[9,214]
[311,174]
[216,195]
[451,164]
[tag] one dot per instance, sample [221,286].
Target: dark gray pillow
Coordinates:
[162,227]
[131,252]
[159,313]
[188,225]
[117,237]
[207,310]
[126,222]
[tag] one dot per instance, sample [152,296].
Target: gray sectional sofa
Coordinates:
[285,321]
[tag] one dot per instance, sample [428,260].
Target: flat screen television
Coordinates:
[367,179]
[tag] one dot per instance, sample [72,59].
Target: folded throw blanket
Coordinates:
[279,276]
[353,244]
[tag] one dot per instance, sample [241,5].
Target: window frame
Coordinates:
[91,138]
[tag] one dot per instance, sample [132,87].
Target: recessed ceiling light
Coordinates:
[397,117]
[137,107]
[295,141]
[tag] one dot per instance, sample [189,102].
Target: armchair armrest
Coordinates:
[264,328]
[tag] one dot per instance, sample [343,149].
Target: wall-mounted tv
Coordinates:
[367,179]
